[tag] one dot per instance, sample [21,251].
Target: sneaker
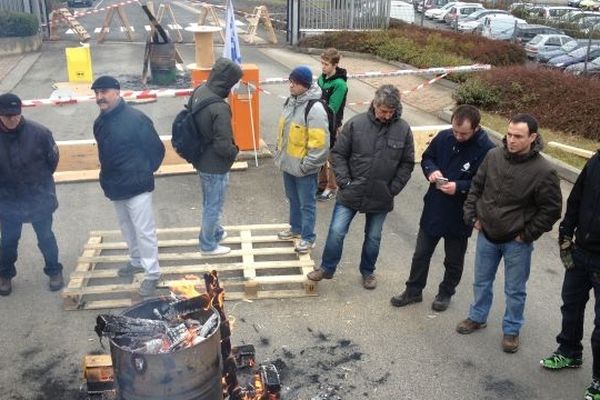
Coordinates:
[148,287]
[469,326]
[224,236]
[440,303]
[129,270]
[288,235]
[319,274]
[405,298]
[5,286]
[304,246]
[218,251]
[369,282]
[558,361]
[593,392]
[326,195]
[510,343]
[56,282]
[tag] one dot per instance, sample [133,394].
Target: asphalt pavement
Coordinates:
[347,342]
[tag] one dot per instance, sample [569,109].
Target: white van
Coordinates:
[499,26]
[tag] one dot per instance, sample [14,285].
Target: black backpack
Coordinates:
[187,140]
[330,118]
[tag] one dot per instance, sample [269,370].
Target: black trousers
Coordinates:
[575,294]
[454,247]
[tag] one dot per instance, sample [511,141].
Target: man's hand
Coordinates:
[565,244]
[448,188]
[477,225]
[435,175]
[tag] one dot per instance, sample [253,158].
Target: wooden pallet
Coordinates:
[259,267]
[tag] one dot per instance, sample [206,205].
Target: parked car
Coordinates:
[555,13]
[545,42]
[547,55]
[520,6]
[433,12]
[589,5]
[461,11]
[440,14]
[575,56]
[402,11]
[524,33]
[427,4]
[573,3]
[578,68]
[85,3]
[470,23]
[499,27]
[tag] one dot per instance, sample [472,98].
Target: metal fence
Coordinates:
[12,5]
[305,16]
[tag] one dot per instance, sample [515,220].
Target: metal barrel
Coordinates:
[163,63]
[192,373]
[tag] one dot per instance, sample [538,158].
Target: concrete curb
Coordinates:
[565,171]
[19,45]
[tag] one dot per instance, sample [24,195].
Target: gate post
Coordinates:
[293,22]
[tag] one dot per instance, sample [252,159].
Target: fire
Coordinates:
[187,288]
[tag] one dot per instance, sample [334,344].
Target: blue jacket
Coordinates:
[129,150]
[442,213]
[28,158]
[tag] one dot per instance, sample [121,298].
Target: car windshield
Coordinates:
[580,52]
[569,46]
[536,40]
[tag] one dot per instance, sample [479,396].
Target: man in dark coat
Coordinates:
[28,158]
[579,241]
[130,151]
[220,151]
[515,197]
[373,159]
[449,163]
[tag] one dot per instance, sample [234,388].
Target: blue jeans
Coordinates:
[213,188]
[302,195]
[338,228]
[11,233]
[517,264]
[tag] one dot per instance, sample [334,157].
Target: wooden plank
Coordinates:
[573,150]
[250,285]
[195,230]
[73,302]
[181,242]
[189,256]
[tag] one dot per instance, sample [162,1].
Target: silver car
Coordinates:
[545,42]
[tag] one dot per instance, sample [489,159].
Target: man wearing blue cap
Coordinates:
[28,158]
[302,148]
[130,151]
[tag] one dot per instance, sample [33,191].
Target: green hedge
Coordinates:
[565,102]
[18,24]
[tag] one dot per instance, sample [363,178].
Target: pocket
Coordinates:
[395,148]
[296,146]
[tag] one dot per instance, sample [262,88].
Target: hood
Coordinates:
[536,148]
[313,92]
[339,73]
[223,76]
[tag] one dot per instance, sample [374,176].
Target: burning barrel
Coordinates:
[189,372]
[163,63]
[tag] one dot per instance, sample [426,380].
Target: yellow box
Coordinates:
[79,64]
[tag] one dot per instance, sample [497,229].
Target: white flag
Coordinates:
[231,49]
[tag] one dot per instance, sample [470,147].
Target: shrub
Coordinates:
[477,93]
[562,101]
[17,24]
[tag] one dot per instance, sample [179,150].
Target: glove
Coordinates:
[565,244]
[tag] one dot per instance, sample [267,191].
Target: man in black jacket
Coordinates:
[373,159]
[130,151]
[449,163]
[579,243]
[214,163]
[515,197]
[28,158]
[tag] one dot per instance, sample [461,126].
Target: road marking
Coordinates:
[123,29]
[176,26]
[69,32]
[98,5]
[147,28]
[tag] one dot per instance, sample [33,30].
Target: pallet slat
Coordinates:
[253,270]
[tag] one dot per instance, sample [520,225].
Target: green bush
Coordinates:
[17,24]
[477,93]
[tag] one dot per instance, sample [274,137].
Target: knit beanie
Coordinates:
[302,75]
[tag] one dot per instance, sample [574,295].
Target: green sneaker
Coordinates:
[558,361]
[592,393]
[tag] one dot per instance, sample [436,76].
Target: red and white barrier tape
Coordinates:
[156,93]
[95,11]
